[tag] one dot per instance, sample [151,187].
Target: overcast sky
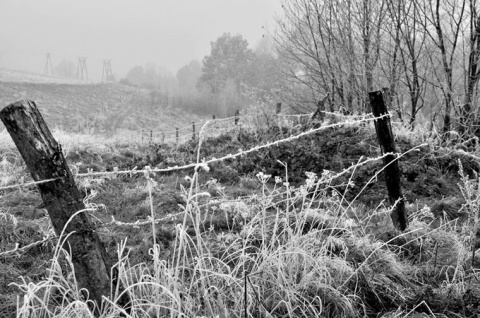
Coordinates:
[169,33]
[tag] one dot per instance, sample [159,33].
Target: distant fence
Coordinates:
[215,127]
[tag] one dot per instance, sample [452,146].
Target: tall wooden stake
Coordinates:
[320,112]
[392,171]
[62,199]
[237,117]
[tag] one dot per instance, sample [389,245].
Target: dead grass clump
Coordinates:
[449,255]
[381,280]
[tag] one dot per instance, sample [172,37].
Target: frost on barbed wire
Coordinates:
[134,171]
[255,118]
[311,181]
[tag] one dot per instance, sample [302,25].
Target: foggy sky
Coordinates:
[169,33]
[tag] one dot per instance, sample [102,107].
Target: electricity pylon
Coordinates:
[107,71]
[48,66]
[82,71]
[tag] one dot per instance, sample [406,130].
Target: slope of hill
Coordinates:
[91,108]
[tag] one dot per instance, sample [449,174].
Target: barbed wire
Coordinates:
[229,156]
[171,217]
[200,123]
[22,249]
[25,185]
[148,169]
[138,223]
[17,249]
[215,122]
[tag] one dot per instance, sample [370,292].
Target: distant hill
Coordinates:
[91,108]
[28,77]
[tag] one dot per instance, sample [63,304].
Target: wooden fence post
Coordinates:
[176,135]
[213,117]
[193,130]
[320,112]
[151,136]
[237,117]
[279,108]
[62,199]
[392,171]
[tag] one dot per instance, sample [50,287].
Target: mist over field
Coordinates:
[167,33]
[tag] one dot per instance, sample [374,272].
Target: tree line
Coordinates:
[220,84]
[424,53]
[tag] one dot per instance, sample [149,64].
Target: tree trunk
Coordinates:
[62,199]
[472,76]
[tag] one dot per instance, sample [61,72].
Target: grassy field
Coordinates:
[92,108]
[299,244]
[299,228]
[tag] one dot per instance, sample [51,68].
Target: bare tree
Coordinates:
[331,46]
[473,70]
[410,41]
[415,48]
[443,21]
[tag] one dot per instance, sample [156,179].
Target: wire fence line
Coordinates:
[28,184]
[147,170]
[171,217]
[229,156]
[180,135]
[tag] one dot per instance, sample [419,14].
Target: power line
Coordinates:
[107,71]
[48,66]
[82,72]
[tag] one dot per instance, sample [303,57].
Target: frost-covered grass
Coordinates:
[283,250]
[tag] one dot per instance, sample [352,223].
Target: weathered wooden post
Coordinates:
[320,112]
[392,171]
[151,136]
[213,117]
[62,199]
[237,117]
[278,110]
[193,130]
[176,135]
